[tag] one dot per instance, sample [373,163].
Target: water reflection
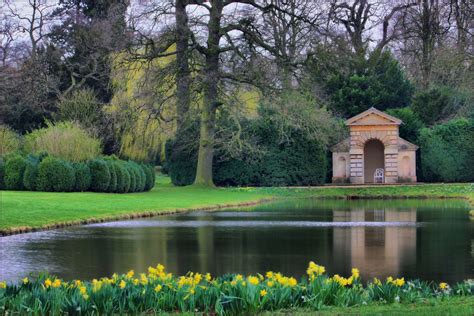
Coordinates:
[425,239]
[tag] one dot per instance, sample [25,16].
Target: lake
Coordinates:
[425,239]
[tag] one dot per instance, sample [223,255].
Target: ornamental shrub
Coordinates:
[14,172]
[100,175]
[83,177]
[123,177]
[31,173]
[150,176]
[55,175]
[113,176]
[133,176]
[141,177]
[2,174]
[65,140]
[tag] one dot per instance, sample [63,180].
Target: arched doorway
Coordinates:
[373,158]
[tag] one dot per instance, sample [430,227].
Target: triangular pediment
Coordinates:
[373,117]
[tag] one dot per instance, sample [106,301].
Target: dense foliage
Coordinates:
[49,173]
[158,292]
[276,153]
[447,151]
[9,141]
[376,82]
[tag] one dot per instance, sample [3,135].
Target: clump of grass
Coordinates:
[159,291]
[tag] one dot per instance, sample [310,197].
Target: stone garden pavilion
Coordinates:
[374,153]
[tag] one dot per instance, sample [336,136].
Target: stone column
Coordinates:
[356,157]
[391,157]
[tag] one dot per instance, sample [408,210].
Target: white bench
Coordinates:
[379,175]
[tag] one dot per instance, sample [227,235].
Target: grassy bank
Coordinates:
[22,211]
[459,306]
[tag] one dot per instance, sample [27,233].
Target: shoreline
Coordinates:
[210,208]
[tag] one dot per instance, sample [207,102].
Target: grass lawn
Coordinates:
[458,306]
[22,211]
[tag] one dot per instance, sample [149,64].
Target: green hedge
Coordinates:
[83,177]
[48,173]
[113,176]
[123,177]
[55,175]
[31,173]
[296,160]
[14,172]
[100,175]
[447,152]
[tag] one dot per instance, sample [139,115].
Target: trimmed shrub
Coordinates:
[100,175]
[65,140]
[2,174]
[123,177]
[141,177]
[14,172]
[9,141]
[83,177]
[31,174]
[55,175]
[150,176]
[133,177]
[113,176]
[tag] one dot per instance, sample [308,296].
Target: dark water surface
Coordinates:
[426,239]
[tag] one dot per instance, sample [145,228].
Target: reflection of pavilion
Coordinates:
[378,251]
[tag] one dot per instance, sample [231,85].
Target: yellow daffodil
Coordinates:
[315,270]
[192,291]
[253,280]
[208,277]
[233,283]
[82,290]
[269,274]
[136,282]
[355,273]
[3,285]
[263,293]
[377,281]
[443,285]
[389,279]
[56,283]
[270,283]
[122,284]
[292,282]
[399,282]
[130,274]
[158,288]
[25,280]
[47,283]
[239,277]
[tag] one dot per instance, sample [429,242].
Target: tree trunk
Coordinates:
[183,76]
[211,101]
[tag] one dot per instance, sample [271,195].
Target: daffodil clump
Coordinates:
[160,291]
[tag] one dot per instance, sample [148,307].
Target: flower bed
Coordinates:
[159,291]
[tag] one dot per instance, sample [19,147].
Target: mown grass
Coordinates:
[455,306]
[22,211]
